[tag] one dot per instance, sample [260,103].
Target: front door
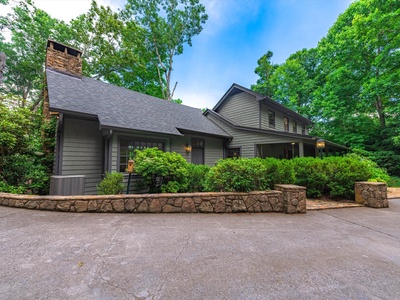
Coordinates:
[197,151]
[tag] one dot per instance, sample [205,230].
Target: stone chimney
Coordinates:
[64,58]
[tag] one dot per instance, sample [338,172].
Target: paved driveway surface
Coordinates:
[349,253]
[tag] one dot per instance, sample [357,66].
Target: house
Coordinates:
[99,124]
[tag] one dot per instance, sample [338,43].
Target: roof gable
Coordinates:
[235,89]
[118,107]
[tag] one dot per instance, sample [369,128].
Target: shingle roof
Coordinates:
[117,107]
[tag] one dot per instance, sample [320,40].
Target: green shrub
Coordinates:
[161,171]
[335,176]
[311,173]
[25,174]
[196,177]
[111,184]
[279,171]
[229,175]
[248,174]
[5,188]
[343,172]
[394,181]
[388,160]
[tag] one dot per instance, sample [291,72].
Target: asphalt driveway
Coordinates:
[351,253]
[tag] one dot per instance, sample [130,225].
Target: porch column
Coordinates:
[301,149]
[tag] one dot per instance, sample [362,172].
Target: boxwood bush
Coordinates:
[335,176]
[160,171]
[111,184]
[248,174]
[332,176]
[196,177]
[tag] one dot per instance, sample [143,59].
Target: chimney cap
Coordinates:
[61,47]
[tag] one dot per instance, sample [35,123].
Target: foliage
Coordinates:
[196,177]
[22,133]
[111,184]
[15,126]
[244,174]
[264,70]
[335,176]
[311,173]
[168,25]
[394,181]
[389,160]
[349,85]
[114,50]
[24,173]
[161,171]
[30,28]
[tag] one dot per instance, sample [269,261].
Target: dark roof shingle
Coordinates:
[117,107]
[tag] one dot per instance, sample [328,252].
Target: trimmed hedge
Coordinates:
[332,176]
[248,174]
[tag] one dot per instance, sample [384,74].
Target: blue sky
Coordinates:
[236,35]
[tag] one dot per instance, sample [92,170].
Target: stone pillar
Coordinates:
[294,198]
[372,194]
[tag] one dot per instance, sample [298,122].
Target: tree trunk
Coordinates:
[2,65]
[379,109]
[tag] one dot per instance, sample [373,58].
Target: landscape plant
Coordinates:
[196,177]
[111,184]
[248,174]
[161,171]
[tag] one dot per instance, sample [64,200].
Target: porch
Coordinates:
[293,149]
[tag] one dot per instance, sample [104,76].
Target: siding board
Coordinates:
[247,140]
[82,151]
[242,109]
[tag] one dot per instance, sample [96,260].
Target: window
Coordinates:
[271,119]
[286,123]
[303,129]
[294,126]
[232,152]
[128,146]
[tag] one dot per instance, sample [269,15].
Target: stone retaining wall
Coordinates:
[372,194]
[288,199]
[294,198]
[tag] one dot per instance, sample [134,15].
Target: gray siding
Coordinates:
[82,151]
[242,109]
[213,148]
[247,140]
[278,120]
[178,145]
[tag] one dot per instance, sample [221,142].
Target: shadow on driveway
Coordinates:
[331,254]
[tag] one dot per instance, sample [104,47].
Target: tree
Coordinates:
[2,65]
[30,28]
[169,25]
[294,82]
[265,70]
[361,59]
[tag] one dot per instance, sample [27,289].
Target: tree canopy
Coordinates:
[133,48]
[349,85]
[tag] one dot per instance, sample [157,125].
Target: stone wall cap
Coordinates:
[290,186]
[370,182]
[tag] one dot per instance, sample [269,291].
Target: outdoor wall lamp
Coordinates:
[320,146]
[188,148]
